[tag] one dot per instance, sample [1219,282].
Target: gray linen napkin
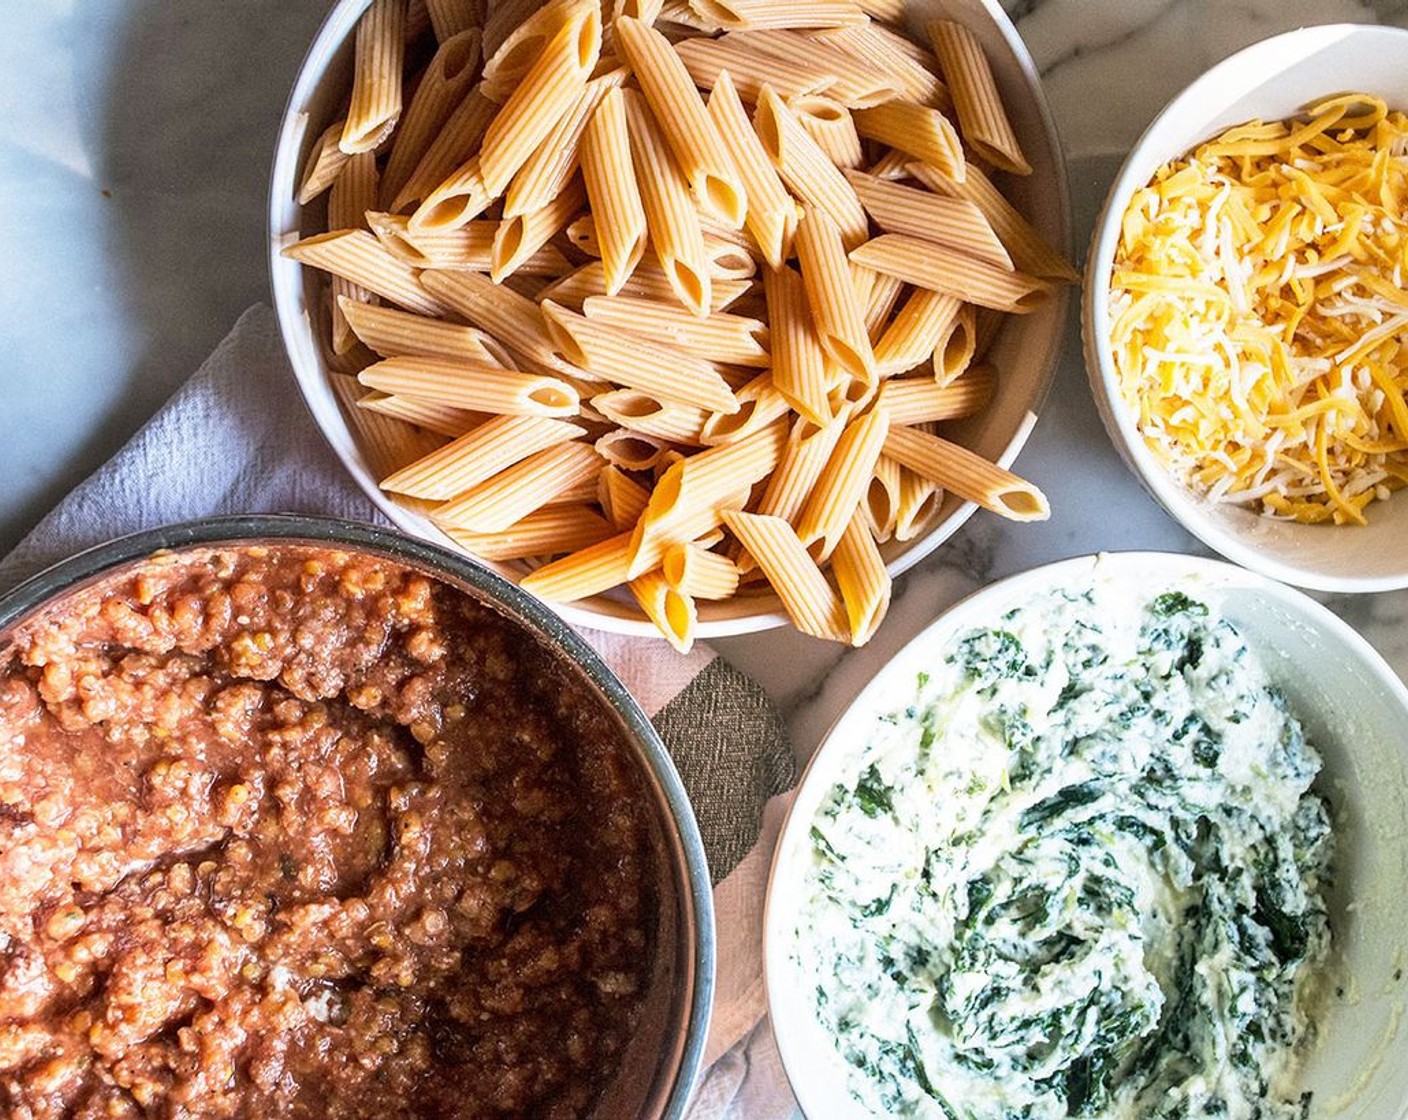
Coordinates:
[237,439]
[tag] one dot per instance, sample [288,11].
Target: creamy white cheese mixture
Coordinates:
[1079,875]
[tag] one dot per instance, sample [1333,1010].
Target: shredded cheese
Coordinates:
[1260,323]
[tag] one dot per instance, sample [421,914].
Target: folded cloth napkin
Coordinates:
[237,439]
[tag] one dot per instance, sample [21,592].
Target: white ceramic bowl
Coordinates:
[1024,354]
[1354,710]
[1271,80]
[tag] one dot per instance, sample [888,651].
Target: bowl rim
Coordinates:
[1180,503]
[836,744]
[308,368]
[75,572]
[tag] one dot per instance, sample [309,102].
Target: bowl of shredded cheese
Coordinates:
[1246,308]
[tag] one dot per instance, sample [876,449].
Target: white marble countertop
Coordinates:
[135,141]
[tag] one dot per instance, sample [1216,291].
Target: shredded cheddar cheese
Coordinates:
[1260,320]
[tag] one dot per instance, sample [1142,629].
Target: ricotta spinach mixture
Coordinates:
[1080,875]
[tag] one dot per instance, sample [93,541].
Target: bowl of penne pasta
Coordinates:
[693,317]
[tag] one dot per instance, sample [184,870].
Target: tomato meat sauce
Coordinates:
[290,831]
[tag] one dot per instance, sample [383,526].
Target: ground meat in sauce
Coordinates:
[297,832]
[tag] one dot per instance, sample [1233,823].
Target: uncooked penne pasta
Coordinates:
[866,43]
[468,248]
[360,258]
[517,239]
[546,173]
[478,386]
[721,336]
[353,193]
[672,611]
[829,123]
[728,261]
[920,499]
[325,161]
[378,58]
[764,14]
[458,200]
[438,418]
[916,400]
[631,451]
[809,448]
[966,474]
[891,11]
[881,294]
[636,362]
[915,331]
[954,351]
[1028,248]
[550,530]
[515,36]
[683,120]
[386,443]
[862,579]
[445,84]
[982,118]
[647,11]
[699,573]
[609,176]
[391,333]
[837,314]
[798,360]
[805,168]
[926,264]
[748,69]
[641,412]
[923,132]
[449,18]
[842,483]
[513,493]
[880,504]
[810,602]
[546,92]
[858,85]
[452,148]
[648,281]
[772,215]
[954,222]
[588,571]
[759,406]
[621,498]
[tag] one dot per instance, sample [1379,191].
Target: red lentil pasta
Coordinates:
[667,297]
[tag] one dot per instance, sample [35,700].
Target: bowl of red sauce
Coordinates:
[306,818]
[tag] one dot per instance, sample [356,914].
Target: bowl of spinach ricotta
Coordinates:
[1123,836]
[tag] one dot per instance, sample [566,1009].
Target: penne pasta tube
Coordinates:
[954,351]
[386,443]
[478,386]
[631,451]
[699,573]
[869,45]
[621,498]
[798,360]
[648,281]
[556,159]
[637,362]
[357,256]
[549,88]
[683,120]
[966,474]
[353,193]
[829,123]
[672,611]
[516,34]
[805,168]
[848,394]
[954,222]
[892,166]
[710,61]
[881,294]
[862,580]
[582,573]
[727,261]
[438,418]
[512,494]
[647,11]
[392,334]
[324,162]
[981,115]
[417,20]
[452,147]
[1029,250]
[858,85]
[837,314]
[760,405]
[891,11]
[810,602]
[378,57]
[763,14]
[609,176]
[669,211]
[466,247]
[478,455]
[518,239]
[919,327]
[449,18]
[721,336]
[445,84]
[881,501]
[550,530]
[502,18]
[459,199]
[918,400]
[631,408]
[772,214]
[808,450]
[920,499]
[923,132]
[929,265]
[842,483]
